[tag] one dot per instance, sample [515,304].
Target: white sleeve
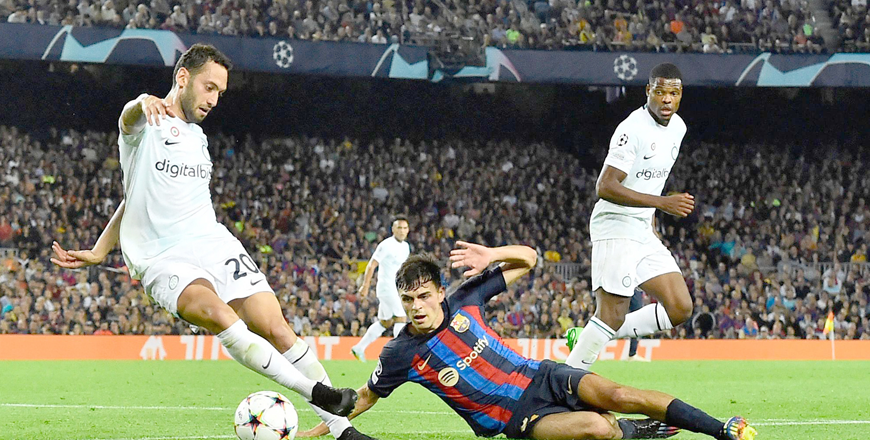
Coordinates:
[380,252]
[623,150]
[132,140]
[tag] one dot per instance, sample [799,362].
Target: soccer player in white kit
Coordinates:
[626,251]
[188,262]
[387,259]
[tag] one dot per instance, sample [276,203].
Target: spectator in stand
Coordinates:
[556,24]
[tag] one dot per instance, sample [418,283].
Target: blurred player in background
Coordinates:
[626,251]
[188,262]
[451,351]
[388,256]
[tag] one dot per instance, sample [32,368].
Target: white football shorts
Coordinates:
[620,265]
[389,304]
[221,261]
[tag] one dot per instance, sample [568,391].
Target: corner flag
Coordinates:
[829,323]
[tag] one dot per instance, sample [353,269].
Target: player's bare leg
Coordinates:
[671,291]
[580,425]
[608,395]
[199,305]
[674,307]
[262,313]
[610,313]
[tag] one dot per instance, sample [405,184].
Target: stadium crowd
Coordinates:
[641,25]
[777,240]
[853,21]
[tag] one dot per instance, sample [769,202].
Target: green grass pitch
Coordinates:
[195,400]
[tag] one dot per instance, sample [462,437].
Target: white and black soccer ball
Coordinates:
[625,67]
[266,415]
[282,53]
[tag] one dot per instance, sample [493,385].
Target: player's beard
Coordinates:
[188,106]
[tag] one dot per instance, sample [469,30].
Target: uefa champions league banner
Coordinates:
[161,48]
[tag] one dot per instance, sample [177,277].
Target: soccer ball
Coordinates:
[625,67]
[266,415]
[282,53]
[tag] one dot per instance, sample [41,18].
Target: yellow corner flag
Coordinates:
[829,323]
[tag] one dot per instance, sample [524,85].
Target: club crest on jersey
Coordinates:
[460,323]
[448,377]
[174,131]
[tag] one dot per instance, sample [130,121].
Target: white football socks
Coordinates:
[374,332]
[591,341]
[305,359]
[254,352]
[397,328]
[645,321]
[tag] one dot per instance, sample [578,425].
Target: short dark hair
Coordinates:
[400,218]
[196,57]
[665,70]
[417,270]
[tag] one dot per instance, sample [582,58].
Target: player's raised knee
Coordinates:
[680,312]
[280,334]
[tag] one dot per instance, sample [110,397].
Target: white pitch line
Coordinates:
[812,422]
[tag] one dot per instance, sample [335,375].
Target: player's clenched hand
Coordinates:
[470,255]
[73,259]
[155,108]
[679,205]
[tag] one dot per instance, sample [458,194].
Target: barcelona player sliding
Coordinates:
[449,350]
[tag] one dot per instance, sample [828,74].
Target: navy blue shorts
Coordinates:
[554,389]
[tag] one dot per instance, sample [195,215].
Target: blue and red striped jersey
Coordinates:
[464,361]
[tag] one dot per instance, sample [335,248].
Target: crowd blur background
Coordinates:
[309,171]
[709,26]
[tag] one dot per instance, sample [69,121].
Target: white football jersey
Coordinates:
[167,170]
[390,254]
[645,151]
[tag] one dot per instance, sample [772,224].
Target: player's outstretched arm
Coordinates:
[516,260]
[367,278]
[366,400]
[609,187]
[145,109]
[107,241]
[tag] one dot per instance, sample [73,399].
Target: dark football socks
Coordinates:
[688,417]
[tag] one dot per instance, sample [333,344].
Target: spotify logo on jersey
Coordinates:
[448,377]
